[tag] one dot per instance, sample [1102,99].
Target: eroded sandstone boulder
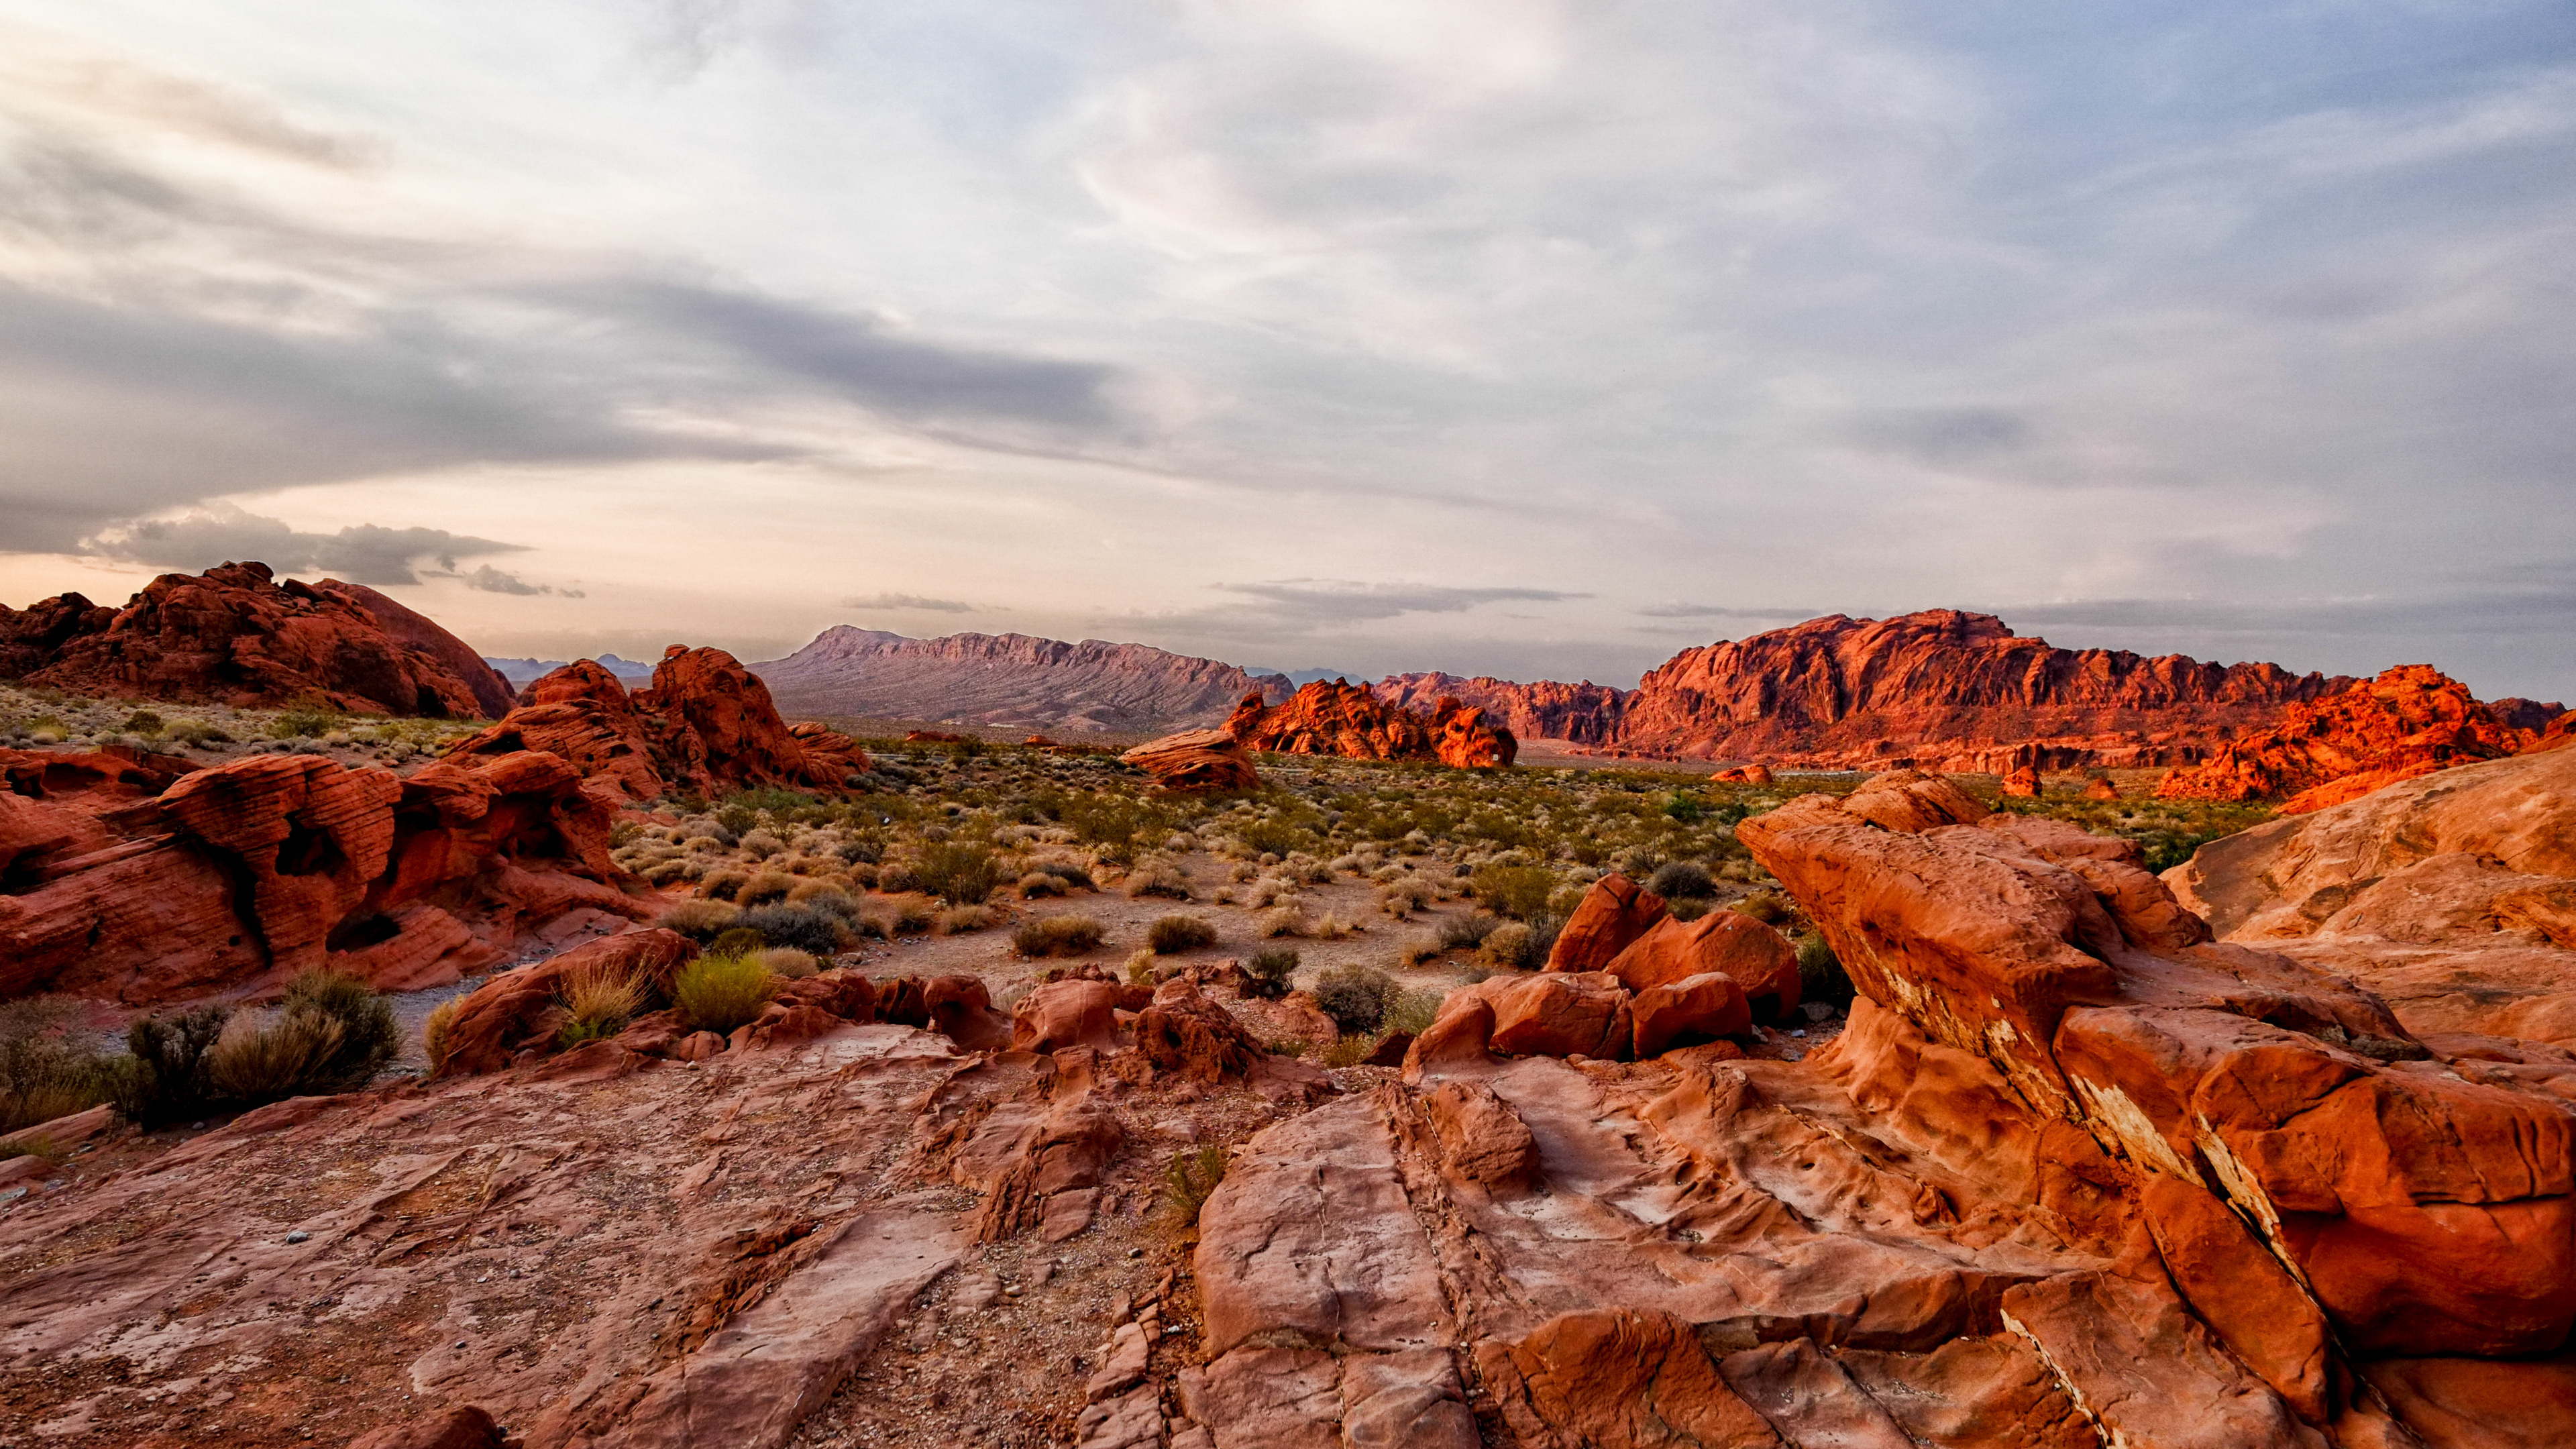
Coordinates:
[1196,762]
[2410,721]
[1333,717]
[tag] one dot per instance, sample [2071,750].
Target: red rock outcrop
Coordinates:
[1947,690]
[707,726]
[1585,714]
[1759,960]
[1196,762]
[1614,911]
[233,635]
[147,880]
[1008,681]
[2411,720]
[1337,718]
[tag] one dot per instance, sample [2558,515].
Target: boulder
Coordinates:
[1613,913]
[233,635]
[2101,788]
[1559,1014]
[1339,718]
[1754,774]
[1062,1014]
[1185,1033]
[1728,943]
[1196,762]
[1689,1012]
[961,1009]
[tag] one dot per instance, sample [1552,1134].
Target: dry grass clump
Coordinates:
[1272,969]
[434,1033]
[1066,935]
[722,992]
[959,872]
[1170,934]
[598,1002]
[700,920]
[1461,933]
[958,920]
[1280,921]
[1188,1181]
[767,886]
[46,1071]
[912,915]
[1416,949]
[1330,927]
[790,963]
[1038,883]
[1157,878]
[264,1061]
[1404,895]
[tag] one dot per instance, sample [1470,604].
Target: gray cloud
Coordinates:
[490,580]
[1679,610]
[364,553]
[1942,435]
[909,601]
[1319,602]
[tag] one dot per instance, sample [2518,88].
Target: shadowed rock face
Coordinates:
[1944,690]
[2410,721]
[233,635]
[1009,680]
[1330,717]
[707,725]
[143,879]
[1586,713]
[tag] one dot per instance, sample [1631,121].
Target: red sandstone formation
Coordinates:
[1196,762]
[1586,713]
[1746,775]
[143,879]
[1337,718]
[1943,689]
[1613,912]
[1010,681]
[2410,721]
[706,726]
[234,636]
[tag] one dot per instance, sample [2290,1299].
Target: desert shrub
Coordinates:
[302,724]
[1170,934]
[199,733]
[1523,945]
[912,915]
[1681,880]
[766,886]
[1505,942]
[1139,970]
[738,820]
[1464,932]
[1038,883]
[1329,927]
[1271,970]
[46,1071]
[807,928]
[1355,997]
[721,991]
[433,1032]
[1281,921]
[1068,935]
[368,1036]
[168,1079]
[735,940]
[1688,908]
[1417,949]
[865,848]
[1820,974]
[897,878]
[959,872]
[761,844]
[723,885]
[1158,880]
[598,1002]
[1413,1011]
[789,963]
[1350,1051]
[255,1061]
[144,722]
[958,920]
[1518,891]
[1762,906]
[824,895]
[1188,1180]
[1075,878]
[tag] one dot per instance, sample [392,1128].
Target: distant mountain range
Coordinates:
[1010,681]
[521,671]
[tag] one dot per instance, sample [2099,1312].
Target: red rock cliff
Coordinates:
[1585,713]
[233,635]
[2411,720]
[1340,718]
[1948,689]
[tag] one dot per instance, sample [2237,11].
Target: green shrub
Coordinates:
[721,991]
[1820,974]
[1171,934]
[167,1082]
[145,723]
[1272,969]
[736,941]
[1681,880]
[1355,997]
[1518,891]
[300,724]
[959,872]
[1414,1011]
[1069,935]
[1188,1180]
[198,733]
[598,1003]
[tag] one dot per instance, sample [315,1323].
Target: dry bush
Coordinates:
[1271,969]
[1355,997]
[1170,934]
[959,872]
[761,845]
[433,1032]
[598,1002]
[1505,943]
[1188,1181]
[1330,927]
[47,1069]
[1688,908]
[1281,921]
[1464,932]
[722,992]
[1419,948]
[823,894]
[700,920]
[1038,883]
[912,915]
[1157,879]
[767,886]
[265,1062]
[1068,935]
[958,920]
[1140,969]
[790,963]
[723,885]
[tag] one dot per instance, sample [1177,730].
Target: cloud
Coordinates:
[1679,610]
[490,580]
[1943,435]
[36,65]
[1319,602]
[910,601]
[364,553]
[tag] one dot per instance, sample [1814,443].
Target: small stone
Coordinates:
[1135,1252]
[299,1236]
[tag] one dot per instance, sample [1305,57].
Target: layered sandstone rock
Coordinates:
[707,726]
[2410,721]
[1332,717]
[145,880]
[1948,690]
[1585,714]
[233,635]
[1009,681]
[1196,762]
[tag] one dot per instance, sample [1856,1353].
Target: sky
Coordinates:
[1496,336]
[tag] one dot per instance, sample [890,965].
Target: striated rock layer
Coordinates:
[1339,718]
[1010,681]
[143,879]
[2074,1175]
[1948,690]
[2410,721]
[233,635]
[707,725]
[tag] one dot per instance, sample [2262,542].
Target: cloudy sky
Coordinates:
[1508,336]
